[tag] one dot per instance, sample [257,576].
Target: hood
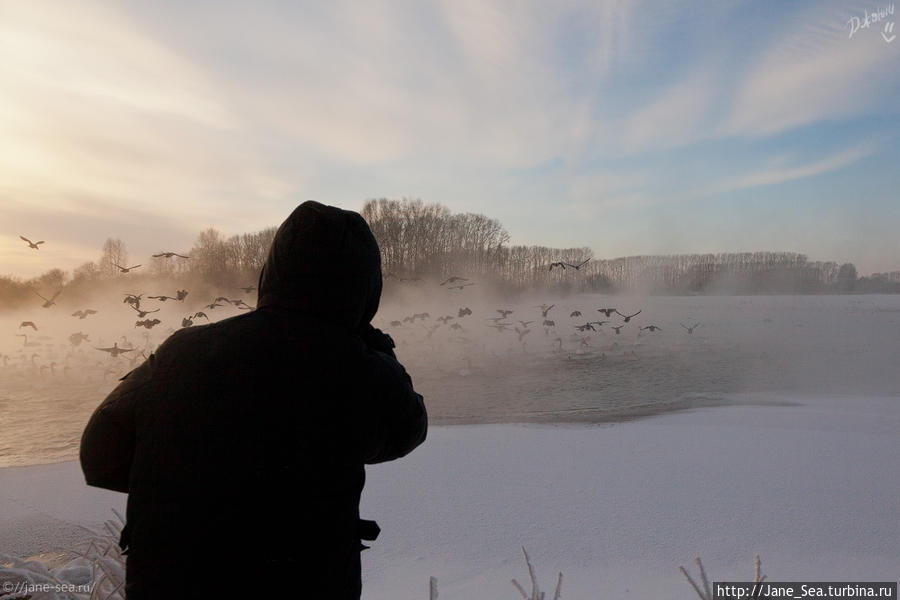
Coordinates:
[324,261]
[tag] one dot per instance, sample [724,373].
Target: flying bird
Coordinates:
[575,313]
[125,269]
[652,328]
[187,322]
[464,311]
[115,350]
[248,289]
[504,312]
[144,313]
[30,243]
[162,298]
[579,265]
[454,279]
[148,323]
[545,309]
[607,311]
[181,295]
[618,329]
[199,314]
[691,328]
[459,287]
[557,264]
[133,299]
[627,318]
[81,314]
[525,323]
[28,324]
[50,302]
[169,255]
[76,338]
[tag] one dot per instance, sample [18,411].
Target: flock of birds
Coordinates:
[467,333]
[43,354]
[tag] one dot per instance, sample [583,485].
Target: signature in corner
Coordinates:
[870,18]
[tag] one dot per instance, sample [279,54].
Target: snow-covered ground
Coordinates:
[811,487]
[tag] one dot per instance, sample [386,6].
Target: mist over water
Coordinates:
[746,349]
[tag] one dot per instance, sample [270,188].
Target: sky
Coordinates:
[629,127]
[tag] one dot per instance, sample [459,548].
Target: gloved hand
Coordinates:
[377,339]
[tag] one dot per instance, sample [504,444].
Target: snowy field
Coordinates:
[808,483]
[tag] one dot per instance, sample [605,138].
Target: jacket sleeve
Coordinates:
[107,444]
[396,421]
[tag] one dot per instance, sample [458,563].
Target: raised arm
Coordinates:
[393,416]
[107,444]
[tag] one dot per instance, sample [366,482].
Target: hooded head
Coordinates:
[324,261]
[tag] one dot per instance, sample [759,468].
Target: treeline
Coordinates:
[214,261]
[427,241]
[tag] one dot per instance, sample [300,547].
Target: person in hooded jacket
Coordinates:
[242,443]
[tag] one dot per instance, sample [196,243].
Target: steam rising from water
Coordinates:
[844,345]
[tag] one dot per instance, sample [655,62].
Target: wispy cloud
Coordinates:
[779,174]
[812,74]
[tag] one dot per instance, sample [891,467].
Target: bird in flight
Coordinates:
[459,287]
[169,255]
[133,299]
[48,302]
[545,309]
[579,265]
[81,314]
[691,328]
[445,319]
[464,311]
[565,264]
[618,329]
[28,324]
[162,298]
[607,311]
[548,323]
[144,313]
[76,338]
[181,295]
[200,314]
[627,318]
[187,322]
[585,327]
[652,328]
[248,289]
[148,323]
[30,243]
[125,269]
[525,324]
[453,279]
[575,313]
[504,312]
[115,350]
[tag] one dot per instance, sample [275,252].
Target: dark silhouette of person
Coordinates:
[242,443]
